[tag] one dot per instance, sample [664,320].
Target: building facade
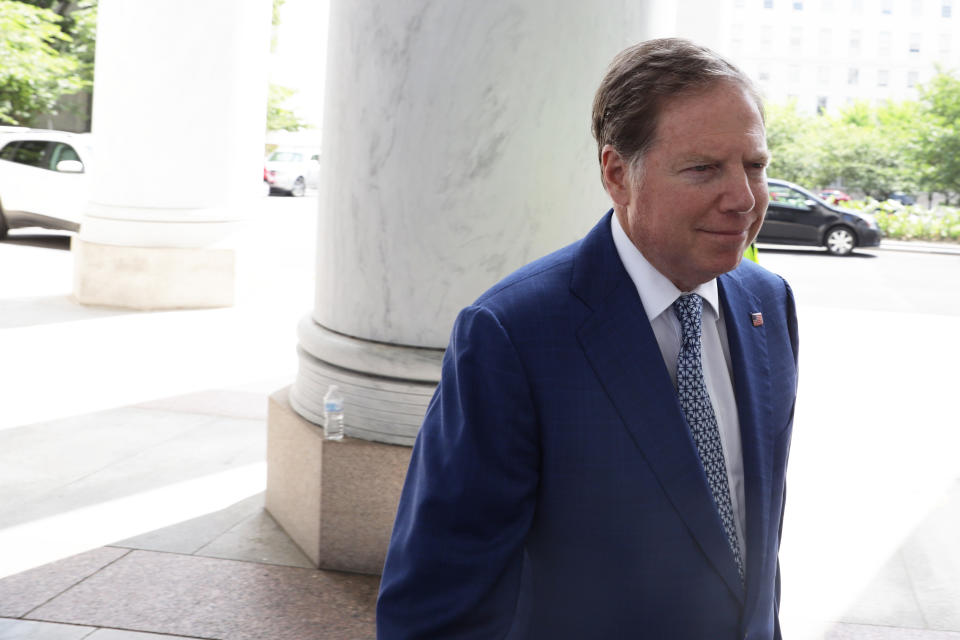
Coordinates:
[829,53]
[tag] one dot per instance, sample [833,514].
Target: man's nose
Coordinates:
[737,193]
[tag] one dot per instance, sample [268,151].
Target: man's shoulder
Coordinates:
[756,279]
[548,274]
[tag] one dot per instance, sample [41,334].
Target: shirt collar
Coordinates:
[657,293]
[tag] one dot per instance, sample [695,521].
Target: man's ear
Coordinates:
[616,175]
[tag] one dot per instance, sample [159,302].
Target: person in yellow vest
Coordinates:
[751,253]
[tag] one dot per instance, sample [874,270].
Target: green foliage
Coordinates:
[910,146]
[794,142]
[939,137]
[275,22]
[912,222]
[279,118]
[41,59]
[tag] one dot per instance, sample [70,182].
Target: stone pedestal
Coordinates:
[336,500]
[178,126]
[148,278]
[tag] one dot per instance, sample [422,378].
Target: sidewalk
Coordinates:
[132,476]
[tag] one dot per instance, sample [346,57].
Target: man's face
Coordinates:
[702,192]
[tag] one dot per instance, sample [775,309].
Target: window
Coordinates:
[944,45]
[826,6]
[821,105]
[855,42]
[884,39]
[8,151]
[763,75]
[886,7]
[766,44]
[736,37]
[853,75]
[62,151]
[946,8]
[912,78]
[796,39]
[31,152]
[798,6]
[823,75]
[787,197]
[856,6]
[916,8]
[914,43]
[768,4]
[826,37]
[883,78]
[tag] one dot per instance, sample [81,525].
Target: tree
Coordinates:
[42,61]
[939,137]
[279,118]
[793,140]
[869,149]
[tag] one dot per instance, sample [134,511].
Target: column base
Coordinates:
[336,500]
[386,387]
[152,278]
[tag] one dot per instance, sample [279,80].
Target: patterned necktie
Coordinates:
[696,405]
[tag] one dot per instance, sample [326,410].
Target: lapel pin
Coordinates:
[756,319]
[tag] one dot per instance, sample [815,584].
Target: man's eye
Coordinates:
[700,168]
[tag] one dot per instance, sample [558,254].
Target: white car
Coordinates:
[43,178]
[291,171]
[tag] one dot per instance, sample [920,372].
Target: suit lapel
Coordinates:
[623,351]
[751,373]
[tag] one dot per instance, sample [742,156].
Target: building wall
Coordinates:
[828,53]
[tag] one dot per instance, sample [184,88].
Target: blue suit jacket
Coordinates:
[555,491]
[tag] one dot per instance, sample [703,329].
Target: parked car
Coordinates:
[291,171]
[796,216]
[43,179]
[833,196]
[902,198]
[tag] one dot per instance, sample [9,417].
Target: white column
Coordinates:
[457,147]
[178,126]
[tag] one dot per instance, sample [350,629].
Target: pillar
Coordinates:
[178,123]
[457,147]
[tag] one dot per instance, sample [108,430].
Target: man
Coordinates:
[590,466]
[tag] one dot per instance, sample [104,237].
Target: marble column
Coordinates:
[178,124]
[457,147]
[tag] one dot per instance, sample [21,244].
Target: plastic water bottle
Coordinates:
[333,414]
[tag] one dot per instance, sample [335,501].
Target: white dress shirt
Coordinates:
[657,294]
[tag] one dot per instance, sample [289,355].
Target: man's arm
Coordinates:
[454,562]
[795,345]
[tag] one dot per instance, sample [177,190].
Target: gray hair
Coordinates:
[642,79]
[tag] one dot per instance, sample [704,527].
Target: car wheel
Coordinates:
[299,187]
[840,241]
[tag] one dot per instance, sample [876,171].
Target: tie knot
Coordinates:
[689,309]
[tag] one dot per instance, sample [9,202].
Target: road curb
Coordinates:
[942,248]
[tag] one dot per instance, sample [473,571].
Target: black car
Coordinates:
[796,216]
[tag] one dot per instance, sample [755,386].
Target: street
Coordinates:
[873,507]
[873,511]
